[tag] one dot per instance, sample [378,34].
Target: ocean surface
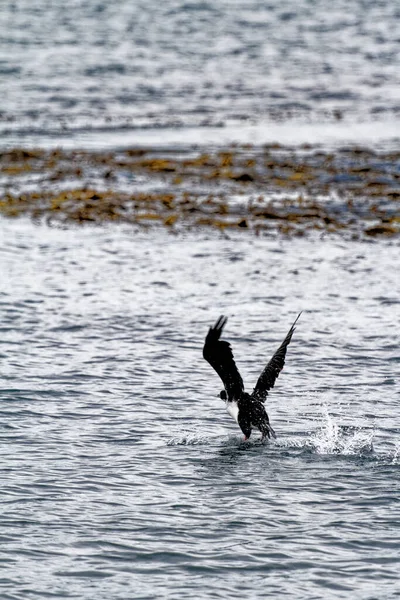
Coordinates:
[122,475]
[129,72]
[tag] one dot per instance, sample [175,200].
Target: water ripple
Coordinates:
[122,474]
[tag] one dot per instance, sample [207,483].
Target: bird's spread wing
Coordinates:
[267,379]
[219,354]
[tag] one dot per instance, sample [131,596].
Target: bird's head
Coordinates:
[222,395]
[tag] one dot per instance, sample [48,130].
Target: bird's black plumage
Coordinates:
[219,354]
[267,379]
[248,410]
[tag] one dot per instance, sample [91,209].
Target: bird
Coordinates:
[247,410]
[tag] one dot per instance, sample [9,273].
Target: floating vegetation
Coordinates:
[262,188]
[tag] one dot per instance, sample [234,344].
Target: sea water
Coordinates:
[131,72]
[122,475]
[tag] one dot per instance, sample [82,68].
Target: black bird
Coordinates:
[247,409]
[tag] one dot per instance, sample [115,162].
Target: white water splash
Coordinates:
[396,454]
[332,438]
[188,440]
[194,439]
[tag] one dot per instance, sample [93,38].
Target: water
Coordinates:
[122,476]
[143,72]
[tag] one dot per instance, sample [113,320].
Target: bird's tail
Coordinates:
[271,432]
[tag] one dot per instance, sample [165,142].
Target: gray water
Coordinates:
[74,72]
[122,476]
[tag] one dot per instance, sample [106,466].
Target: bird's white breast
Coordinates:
[233,409]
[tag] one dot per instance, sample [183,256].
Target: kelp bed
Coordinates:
[270,189]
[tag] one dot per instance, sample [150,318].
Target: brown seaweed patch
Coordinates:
[17,169]
[21,155]
[376,230]
[158,164]
[291,190]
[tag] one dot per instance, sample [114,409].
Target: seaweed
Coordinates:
[291,191]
